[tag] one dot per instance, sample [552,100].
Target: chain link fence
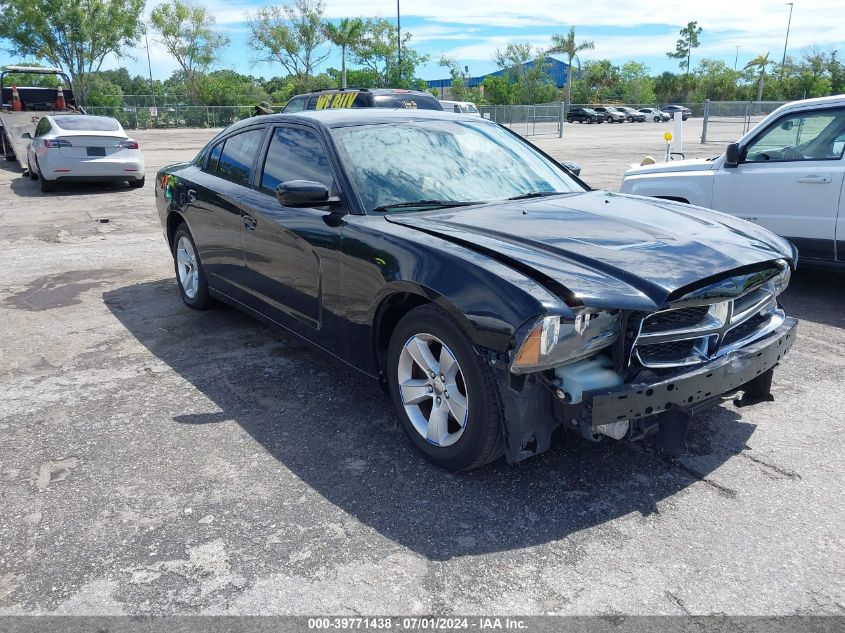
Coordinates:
[545,119]
[144,118]
[726,121]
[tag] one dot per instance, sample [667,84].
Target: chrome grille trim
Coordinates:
[707,338]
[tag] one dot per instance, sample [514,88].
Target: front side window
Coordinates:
[454,160]
[295,154]
[238,154]
[800,137]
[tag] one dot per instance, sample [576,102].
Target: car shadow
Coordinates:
[816,294]
[339,435]
[25,187]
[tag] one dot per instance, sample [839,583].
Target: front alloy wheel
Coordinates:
[433,390]
[443,391]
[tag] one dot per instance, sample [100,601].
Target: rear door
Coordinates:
[291,254]
[218,196]
[790,180]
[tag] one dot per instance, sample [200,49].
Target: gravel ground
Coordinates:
[156,460]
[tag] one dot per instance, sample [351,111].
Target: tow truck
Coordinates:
[17,127]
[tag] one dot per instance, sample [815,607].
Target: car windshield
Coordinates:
[442,163]
[87,123]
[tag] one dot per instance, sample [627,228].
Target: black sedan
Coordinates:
[584,115]
[672,109]
[493,294]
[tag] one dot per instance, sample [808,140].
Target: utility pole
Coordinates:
[786,41]
[398,40]
[736,58]
[149,65]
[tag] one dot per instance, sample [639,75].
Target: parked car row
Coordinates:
[622,114]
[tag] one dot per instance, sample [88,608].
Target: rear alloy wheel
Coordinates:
[189,273]
[137,184]
[443,392]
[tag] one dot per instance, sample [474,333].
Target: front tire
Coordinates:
[443,391]
[189,273]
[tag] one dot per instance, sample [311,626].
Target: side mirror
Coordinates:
[732,155]
[787,125]
[26,135]
[572,166]
[304,193]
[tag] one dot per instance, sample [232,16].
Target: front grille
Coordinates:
[689,335]
[675,319]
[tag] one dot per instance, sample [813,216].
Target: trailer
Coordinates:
[17,127]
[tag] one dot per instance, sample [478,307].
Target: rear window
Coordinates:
[87,123]
[408,101]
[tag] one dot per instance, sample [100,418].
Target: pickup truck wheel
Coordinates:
[189,273]
[443,392]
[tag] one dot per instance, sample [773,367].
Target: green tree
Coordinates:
[715,80]
[345,34]
[567,45]
[759,64]
[683,47]
[189,35]
[292,36]
[459,90]
[103,93]
[527,70]
[636,84]
[498,90]
[73,35]
[602,79]
[378,51]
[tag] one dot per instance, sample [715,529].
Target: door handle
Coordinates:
[249,223]
[192,196]
[819,180]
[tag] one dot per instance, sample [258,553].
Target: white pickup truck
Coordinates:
[786,174]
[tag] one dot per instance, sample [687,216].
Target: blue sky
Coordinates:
[472,30]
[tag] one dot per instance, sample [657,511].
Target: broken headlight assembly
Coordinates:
[556,340]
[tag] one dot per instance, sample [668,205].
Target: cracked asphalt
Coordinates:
[158,460]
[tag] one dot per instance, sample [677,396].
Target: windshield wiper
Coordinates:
[429,204]
[538,194]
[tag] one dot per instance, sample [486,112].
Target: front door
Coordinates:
[789,180]
[291,254]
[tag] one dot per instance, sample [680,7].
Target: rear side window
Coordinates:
[295,105]
[42,128]
[238,154]
[214,157]
[295,154]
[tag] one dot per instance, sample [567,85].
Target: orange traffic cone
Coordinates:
[16,100]
[60,99]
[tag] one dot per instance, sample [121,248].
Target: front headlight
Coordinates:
[555,341]
[781,280]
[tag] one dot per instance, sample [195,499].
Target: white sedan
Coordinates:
[83,148]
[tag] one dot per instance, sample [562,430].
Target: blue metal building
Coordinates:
[557,70]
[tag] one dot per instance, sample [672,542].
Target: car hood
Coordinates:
[603,249]
[695,164]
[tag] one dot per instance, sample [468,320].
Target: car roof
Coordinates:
[374,91]
[343,117]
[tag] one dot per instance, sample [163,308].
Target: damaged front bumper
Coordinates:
[533,410]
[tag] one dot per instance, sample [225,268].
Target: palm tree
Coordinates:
[761,62]
[567,45]
[345,33]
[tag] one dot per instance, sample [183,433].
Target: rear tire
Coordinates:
[32,174]
[425,342]
[137,184]
[189,273]
[46,185]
